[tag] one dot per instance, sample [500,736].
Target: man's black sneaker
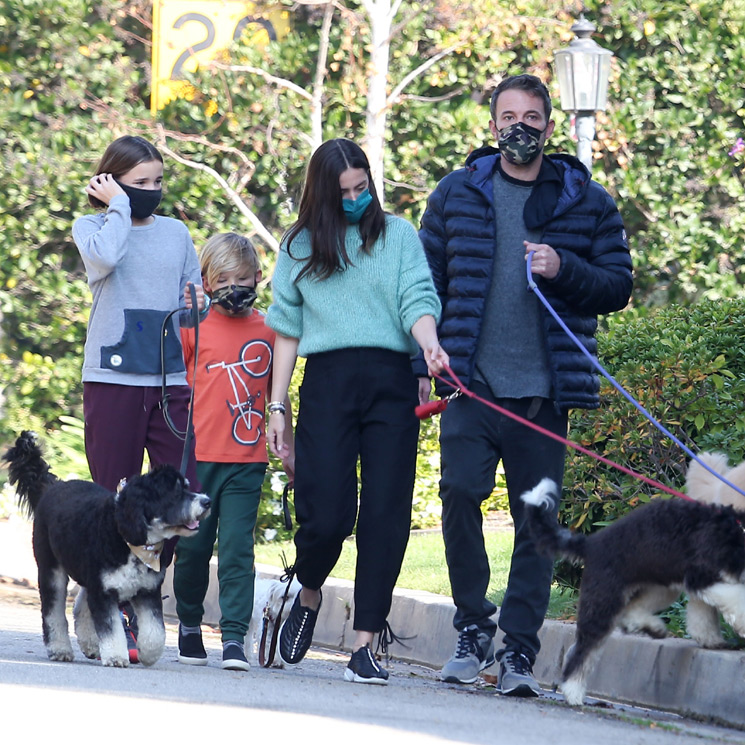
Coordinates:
[233,657]
[190,648]
[364,668]
[296,634]
[516,675]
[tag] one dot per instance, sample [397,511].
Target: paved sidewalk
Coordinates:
[672,674]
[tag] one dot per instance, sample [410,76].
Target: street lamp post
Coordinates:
[583,70]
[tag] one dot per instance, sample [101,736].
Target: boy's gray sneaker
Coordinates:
[516,675]
[473,653]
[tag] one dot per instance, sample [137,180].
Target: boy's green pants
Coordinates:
[235,491]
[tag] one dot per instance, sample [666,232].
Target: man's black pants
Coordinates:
[473,439]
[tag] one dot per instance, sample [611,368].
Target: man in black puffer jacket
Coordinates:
[480,225]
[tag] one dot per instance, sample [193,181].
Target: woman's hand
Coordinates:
[425,333]
[275,437]
[436,357]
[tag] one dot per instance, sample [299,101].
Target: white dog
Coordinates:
[268,595]
[705,487]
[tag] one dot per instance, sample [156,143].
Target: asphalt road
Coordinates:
[309,703]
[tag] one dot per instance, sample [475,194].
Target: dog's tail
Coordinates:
[28,471]
[550,538]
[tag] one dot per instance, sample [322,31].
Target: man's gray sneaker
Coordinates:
[473,653]
[516,676]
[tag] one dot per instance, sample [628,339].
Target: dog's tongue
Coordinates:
[193,525]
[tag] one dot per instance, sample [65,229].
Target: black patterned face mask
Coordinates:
[235,299]
[519,143]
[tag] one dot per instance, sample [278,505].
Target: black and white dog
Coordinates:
[667,543]
[110,544]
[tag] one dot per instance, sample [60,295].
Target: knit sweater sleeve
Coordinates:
[417,296]
[285,315]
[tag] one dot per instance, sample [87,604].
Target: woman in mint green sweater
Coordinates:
[354,295]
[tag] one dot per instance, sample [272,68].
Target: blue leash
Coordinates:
[596,364]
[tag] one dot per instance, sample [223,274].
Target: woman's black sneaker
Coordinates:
[296,634]
[364,668]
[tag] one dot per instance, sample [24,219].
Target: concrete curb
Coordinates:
[671,674]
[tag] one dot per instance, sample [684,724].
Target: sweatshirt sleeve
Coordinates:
[191,273]
[102,239]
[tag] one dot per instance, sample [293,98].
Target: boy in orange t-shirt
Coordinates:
[234,374]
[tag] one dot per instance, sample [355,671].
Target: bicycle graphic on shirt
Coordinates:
[255,360]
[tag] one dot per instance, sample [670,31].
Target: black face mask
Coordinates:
[235,299]
[142,202]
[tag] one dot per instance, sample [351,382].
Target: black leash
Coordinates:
[188,435]
[286,506]
[266,659]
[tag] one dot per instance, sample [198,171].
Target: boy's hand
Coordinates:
[200,296]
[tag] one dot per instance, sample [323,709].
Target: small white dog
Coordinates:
[705,487]
[268,595]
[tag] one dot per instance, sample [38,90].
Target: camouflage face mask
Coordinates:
[519,143]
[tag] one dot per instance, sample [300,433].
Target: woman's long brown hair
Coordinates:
[322,214]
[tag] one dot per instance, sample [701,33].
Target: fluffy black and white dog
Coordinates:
[670,543]
[109,544]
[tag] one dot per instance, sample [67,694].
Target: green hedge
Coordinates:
[686,366]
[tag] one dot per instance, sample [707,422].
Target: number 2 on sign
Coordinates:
[210,36]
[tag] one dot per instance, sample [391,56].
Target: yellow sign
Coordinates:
[189,32]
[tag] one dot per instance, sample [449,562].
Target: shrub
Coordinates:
[686,366]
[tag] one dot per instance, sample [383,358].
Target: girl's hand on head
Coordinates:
[103,187]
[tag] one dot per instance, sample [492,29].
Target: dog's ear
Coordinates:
[131,521]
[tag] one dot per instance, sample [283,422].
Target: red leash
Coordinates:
[424,411]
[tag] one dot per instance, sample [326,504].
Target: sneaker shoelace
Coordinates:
[468,643]
[518,663]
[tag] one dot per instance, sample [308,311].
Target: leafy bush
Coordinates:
[686,366]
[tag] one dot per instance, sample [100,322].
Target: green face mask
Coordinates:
[354,209]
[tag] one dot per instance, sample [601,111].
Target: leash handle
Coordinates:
[425,411]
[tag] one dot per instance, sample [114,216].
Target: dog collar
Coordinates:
[149,554]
